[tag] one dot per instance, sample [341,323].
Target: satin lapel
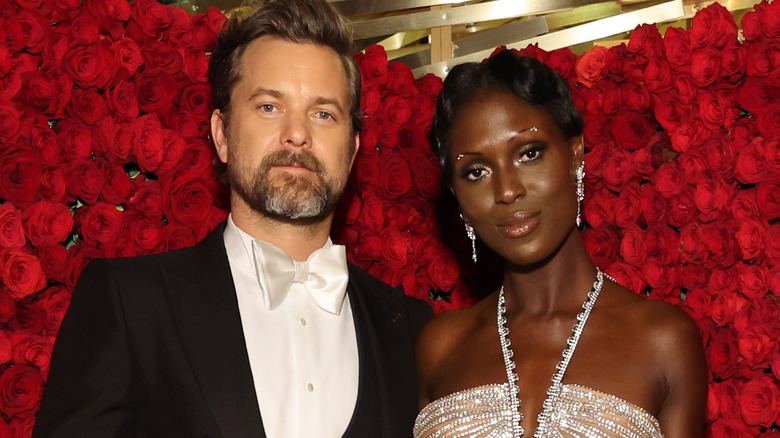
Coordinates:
[205,310]
[386,342]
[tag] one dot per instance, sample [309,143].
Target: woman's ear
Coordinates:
[578,152]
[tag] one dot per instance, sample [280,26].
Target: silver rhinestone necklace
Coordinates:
[554,391]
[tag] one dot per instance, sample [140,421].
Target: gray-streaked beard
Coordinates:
[287,198]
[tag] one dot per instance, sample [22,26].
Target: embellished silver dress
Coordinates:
[569,411]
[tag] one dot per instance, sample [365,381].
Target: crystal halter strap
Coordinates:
[554,391]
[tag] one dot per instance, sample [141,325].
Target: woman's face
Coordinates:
[513,176]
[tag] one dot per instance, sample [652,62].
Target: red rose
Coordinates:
[751,165]
[753,280]
[669,113]
[722,354]
[661,243]
[682,208]
[427,177]
[443,271]
[148,142]
[74,140]
[127,54]
[627,209]
[83,253]
[196,99]
[54,261]
[718,238]
[147,200]
[371,246]
[598,207]
[146,232]
[769,121]
[156,91]
[188,198]
[632,247]
[46,90]
[720,156]
[717,109]
[163,56]
[174,147]
[47,223]
[758,401]
[693,163]
[85,180]
[687,91]
[732,62]
[744,206]
[693,276]
[429,85]
[88,105]
[646,41]
[117,185]
[713,26]
[669,180]
[108,13]
[54,185]
[373,64]
[100,223]
[373,213]
[636,97]
[768,198]
[11,229]
[21,387]
[677,46]
[180,30]
[698,303]
[658,75]
[6,350]
[205,27]
[34,350]
[397,110]
[725,307]
[643,161]
[123,102]
[750,237]
[177,236]
[688,133]
[751,26]
[21,272]
[756,93]
[710,196]
[7,307]
[589,65]
[628,276]
[770,19]
[531,50]
[90,66]
[691,248]
[723,281]
[773,243]
[400,80]
[760,59]
[705,66]
[562,61]
[631,130]
[388,134]
[396,248]
[598,129]
[20,175]
[618,170]
[727,393]
[149,17]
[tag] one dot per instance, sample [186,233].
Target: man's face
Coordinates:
[289,143]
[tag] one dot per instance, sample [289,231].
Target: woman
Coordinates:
[561,349]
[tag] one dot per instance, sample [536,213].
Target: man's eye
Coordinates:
[324,115]
[267,107]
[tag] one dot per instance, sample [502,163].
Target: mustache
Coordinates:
[286,157]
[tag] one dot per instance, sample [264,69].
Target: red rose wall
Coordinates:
[104,152]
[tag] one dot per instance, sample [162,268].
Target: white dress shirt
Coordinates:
[304,360]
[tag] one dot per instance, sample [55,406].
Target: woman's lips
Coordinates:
[519,225]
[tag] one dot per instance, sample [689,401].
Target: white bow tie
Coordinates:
[324,274]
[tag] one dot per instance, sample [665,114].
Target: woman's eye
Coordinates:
[475,174]
[530,154]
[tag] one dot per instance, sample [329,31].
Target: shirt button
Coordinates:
[302,321]
[309,387]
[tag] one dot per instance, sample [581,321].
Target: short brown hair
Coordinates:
[299,21]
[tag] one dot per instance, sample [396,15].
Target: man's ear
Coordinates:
[218,135]
[355,150]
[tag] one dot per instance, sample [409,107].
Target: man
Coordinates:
[263,328]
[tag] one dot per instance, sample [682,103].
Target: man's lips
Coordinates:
[520,224]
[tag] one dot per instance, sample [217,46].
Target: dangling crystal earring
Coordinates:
[580,175]
[472,236]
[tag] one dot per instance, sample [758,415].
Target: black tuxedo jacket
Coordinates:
[153,346]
